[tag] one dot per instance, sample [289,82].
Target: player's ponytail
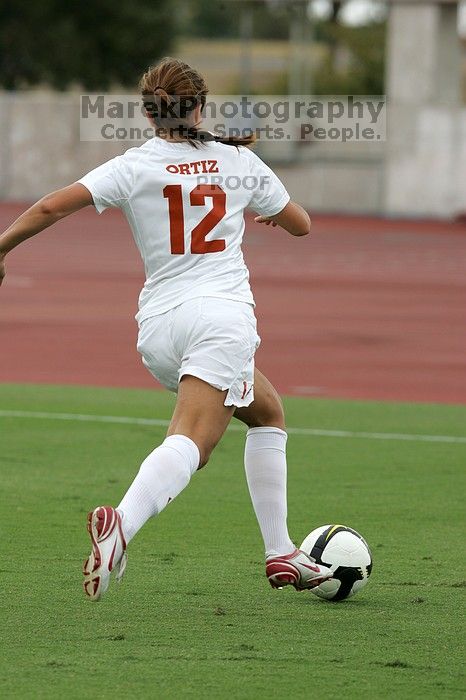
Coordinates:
[203,136]
[171,90]
[200,135]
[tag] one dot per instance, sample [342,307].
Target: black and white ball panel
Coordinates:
[346,553]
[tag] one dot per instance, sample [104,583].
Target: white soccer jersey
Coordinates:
[185,207]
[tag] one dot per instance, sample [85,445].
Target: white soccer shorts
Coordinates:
[210,338]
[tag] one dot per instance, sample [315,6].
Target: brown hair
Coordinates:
[171,90]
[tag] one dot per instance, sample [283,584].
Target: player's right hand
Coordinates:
[267,220]
[2,268]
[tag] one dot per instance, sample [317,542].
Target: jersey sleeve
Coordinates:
[110,184]
[269,195]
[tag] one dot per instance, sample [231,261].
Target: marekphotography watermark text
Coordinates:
[302,118]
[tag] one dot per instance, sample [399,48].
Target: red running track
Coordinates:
[363,308]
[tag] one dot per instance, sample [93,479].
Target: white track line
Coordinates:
[318,432]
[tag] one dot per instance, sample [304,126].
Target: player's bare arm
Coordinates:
[41,215]
[293,218]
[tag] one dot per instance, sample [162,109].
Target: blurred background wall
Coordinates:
[414,51]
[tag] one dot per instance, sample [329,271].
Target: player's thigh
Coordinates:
[200,414]
[267,407]
[219,346]
[157,351]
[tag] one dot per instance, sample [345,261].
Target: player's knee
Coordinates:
[271,414]
[273,420]
[204,455]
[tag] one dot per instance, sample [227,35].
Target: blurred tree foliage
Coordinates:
[93,43]
[100,43]
[355,62]
[355,55]
[213,20]
[221,19]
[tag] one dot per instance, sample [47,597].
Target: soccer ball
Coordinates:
[346,553]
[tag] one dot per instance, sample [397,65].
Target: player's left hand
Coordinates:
[267,220]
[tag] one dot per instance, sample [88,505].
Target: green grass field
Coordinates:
[195,617]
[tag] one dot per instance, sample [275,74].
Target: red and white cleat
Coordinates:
[108,551]
[295,569]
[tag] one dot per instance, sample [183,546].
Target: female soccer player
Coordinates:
[197,329]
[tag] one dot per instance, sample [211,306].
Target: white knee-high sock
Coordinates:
[265,464]
[161,477]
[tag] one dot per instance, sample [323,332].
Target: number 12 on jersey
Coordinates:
[197,197]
